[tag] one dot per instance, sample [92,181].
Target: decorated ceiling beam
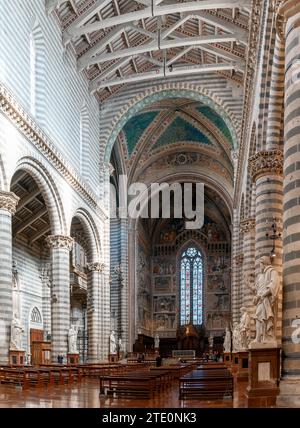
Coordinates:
[98,83]
[157,45]
[77,28]
[51,5]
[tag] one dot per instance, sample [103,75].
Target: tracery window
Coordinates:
[36,316]
[191,286]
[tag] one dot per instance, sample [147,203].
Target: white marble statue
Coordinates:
[227,341]
[236,338]
[211,341]
[112,343]
[266,291]
[72,340]
[17,331]
[121,346]
[245,328]
[156,341]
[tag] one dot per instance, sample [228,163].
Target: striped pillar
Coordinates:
[95,271]
[60,299]
[248,231]
[132,300]
[266,168]
[124,284]
[290,386]
[8,204]
[235,262]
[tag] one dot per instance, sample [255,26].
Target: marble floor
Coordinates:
[86,395]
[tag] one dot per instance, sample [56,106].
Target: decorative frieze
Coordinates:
[247,225]
[9,202]
[60,241]
[96,267]
[266,162]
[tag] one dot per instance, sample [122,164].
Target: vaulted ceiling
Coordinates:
[118,42]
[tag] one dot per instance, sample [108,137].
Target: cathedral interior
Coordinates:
[113,113]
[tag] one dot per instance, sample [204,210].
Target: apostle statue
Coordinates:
[236,338]
[156,341]
[112,343]
[17,331]
[266,291]
[72,340]
[227,341]
[245,328]
[211,341]
[121,347]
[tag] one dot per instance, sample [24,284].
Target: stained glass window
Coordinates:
[191,282]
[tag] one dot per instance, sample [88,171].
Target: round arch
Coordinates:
[193,92]
[91,231]
[49,191]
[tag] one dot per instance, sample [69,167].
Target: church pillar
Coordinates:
[131,298]
[8,204]
[94,322]
[248,231]
[236,262]
[289,27]
[60,299]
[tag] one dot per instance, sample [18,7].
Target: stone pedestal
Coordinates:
[264,372]
[234,362]
[243,366]
[16,358]
[113,358]
[73,358]
[227,359]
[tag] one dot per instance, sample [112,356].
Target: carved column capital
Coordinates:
[9,202]
[284,9]
[96,267]
[266,162]
[239,258]
[247,225]
[60,241]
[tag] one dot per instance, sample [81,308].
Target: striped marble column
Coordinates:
[60,298]
[124,283]
[266,168]
[236,267]
[248,231]
[8,204]
[290,11]
[95,271]
[132,300]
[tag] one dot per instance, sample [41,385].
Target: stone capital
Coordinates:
[96,267]
[9,202]
[239,258]
[60,241]
[284,9]
[247,225]
[266,162]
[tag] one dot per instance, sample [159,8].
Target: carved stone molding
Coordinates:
[15,113]
[247,225]
[266,162]
[9,202]
[96,267]
[59,241]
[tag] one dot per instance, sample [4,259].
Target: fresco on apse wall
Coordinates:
[143,289]
[217,302]
[164,304]
[162,284]
[165,322]
[215,321]
[163,268]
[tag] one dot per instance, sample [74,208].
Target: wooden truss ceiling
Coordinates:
[119,42]
[31,221]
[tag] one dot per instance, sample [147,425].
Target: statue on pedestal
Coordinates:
[211,341]
[266,291]
[17,331]
[245,328]
[121,347]
[72,340]
[227,341]
[156,341]
[236,338]
[112,343]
